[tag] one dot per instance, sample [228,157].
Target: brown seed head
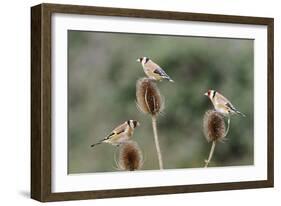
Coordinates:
[213,126]
[130,156]
[148,96]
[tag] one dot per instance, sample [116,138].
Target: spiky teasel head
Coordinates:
[130,156]
[213,126]
[149,99]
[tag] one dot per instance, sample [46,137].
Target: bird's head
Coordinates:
[143,60]
[210,93]
[133,123]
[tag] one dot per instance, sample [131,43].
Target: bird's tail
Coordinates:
[243,115]
[97,143]
[169,78]
[106,139]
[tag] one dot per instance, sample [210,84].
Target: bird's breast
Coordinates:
[130,132]
[152,75]
[221,108]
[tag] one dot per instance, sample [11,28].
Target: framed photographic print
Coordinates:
[130,102]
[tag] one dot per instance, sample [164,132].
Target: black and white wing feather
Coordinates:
[162,73]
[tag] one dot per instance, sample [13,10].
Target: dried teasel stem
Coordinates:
[157,145]
[211,154]
[150,101]
[228,126]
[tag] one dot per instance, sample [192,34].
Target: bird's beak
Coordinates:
[138,124]
[206,94]
[138,60]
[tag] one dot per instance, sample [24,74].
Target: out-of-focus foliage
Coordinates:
[102,75]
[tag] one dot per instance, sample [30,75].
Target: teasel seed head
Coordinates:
[130,156]
[213,126]
[149,99]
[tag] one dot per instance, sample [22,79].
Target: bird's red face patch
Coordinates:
[209,92]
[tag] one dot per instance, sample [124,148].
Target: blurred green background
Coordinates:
[102,75]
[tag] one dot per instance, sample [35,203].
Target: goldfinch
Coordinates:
[222,104]
[120,134]
[152,70]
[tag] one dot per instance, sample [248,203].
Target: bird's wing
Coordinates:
[152,65]
[221,98]
[225,101]
[112,134]
[229,105]
[157,69]
[160,72]
[121,128]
